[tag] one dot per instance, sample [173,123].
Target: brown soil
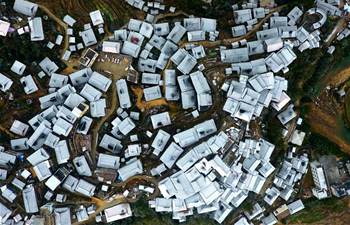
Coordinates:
[339,78]
[80,9]
[143,105]
[326,125]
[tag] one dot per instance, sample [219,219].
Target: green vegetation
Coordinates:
[274,131]
[306,73]
[291,4]
[347,108]
[316,210]
[324,146]
[301,71]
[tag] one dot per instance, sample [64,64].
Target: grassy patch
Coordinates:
[324,146]
[316,210]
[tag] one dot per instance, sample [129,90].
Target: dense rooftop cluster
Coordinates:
[200,169]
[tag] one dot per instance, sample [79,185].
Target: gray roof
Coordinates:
[98,108]
[48,66]
[73,100]
[90,93]
[242,16]
[185,83]
[70,183]
[147,65]
[287,115]
[152,93]
[278,21]
[161,29]
[36,29]
[62,152]
[126,126]
[134,24]
[146,29]
[82,166]
[192,24]
[150,78]
[123,94]
[25,7]
[200,82]
[18,67]
[29,84]
[120,35]
[267,34]
[18,183]
[69,20]
[196,36]
[8,194]
[85,188]
[6,158]
[5,213]
[108,161]
[5,83]
[30,200]
[296,206]
[188,99]
[172,93]
[100,81]
[62,216]
[294,15]
[131,49]
[88,37]
[187,64]
[110,143]
[176,33]
[208,25]
[255,47]
[3,174]
[234,55]
[81,76]
[160,141]
[178,56]
[190,158]
[169,48]
[132,168]
[42,170]
[58,80]
[169,77]
[84,125]
[160,120]
[204,101]
[192,135]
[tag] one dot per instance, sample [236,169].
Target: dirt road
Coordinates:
[60,23]
[116,71]
[118,199]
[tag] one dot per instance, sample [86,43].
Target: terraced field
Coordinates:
[115,11]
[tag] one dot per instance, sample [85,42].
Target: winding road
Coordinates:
[60,23]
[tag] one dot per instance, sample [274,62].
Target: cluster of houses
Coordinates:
[87,36]
[208,183]
[209,170]
[331,176]
[157,46]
